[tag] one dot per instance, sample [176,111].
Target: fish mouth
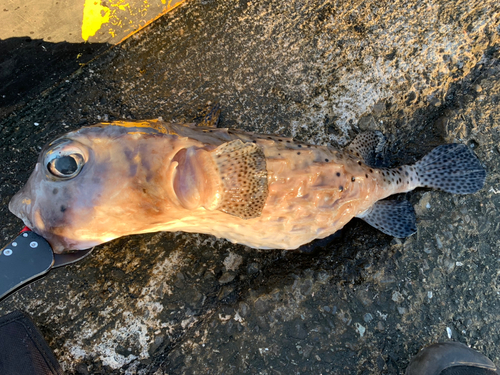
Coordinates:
[18,206]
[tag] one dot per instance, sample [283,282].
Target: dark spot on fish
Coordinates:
[298,153]
[308,146]
[359,162]
[371,170]
[280,140]
[366,175]
[269,138]
[357,154]
[341,188]
[129,155]
[338,174]
[133,170]
[327,160]
[210,131]
[353,179]
[63,208]
[406,173]
[400,168]
[223,178]
[299,145]
[55,191]
[254,141]
[287,141]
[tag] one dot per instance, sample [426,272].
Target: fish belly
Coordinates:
[313,192]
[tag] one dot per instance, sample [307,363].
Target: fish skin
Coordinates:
[150,176]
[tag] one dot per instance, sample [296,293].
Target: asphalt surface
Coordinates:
[362,303]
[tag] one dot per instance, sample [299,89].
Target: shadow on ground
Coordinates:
[30,66]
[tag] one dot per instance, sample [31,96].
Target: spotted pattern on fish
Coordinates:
[242,168]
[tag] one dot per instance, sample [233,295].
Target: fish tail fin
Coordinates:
[453,168]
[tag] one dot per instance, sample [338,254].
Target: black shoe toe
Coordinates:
[450,358]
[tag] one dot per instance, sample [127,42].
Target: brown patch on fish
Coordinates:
[243,173]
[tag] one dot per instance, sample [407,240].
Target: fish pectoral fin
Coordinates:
[243,175]
[395,218]
[368,146]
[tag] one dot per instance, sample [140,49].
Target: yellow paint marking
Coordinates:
[94,16]
[120,14]
[26,201]
[166,9]
[121,6]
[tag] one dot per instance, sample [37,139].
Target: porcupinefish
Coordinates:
[264,191]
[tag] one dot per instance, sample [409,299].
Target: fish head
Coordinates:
[84,188]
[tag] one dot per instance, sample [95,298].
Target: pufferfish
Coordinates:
[114,179]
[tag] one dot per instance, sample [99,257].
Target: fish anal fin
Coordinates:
[368,146]
[243,176]
[395,218]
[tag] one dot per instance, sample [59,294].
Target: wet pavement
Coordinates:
[362,303]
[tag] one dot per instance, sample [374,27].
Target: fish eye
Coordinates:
[66,166]
[65,159]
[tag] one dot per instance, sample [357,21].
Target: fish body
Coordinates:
[268,192]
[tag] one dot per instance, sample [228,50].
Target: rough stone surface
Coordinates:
[424,73]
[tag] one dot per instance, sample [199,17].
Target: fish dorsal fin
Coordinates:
[367,146]
[243,174]
[395,218]
[211,119]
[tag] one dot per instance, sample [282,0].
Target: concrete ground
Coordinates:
[42,42]
[424,73]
